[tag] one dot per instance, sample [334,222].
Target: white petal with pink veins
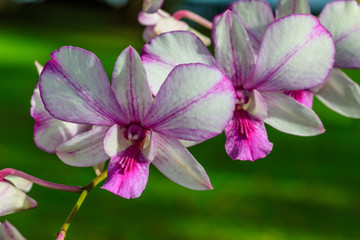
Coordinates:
[177,163]
[75,88]
[296,53]
[130,85]
[195,103]
[342,19]
[289,116]
[170,49]
[85,149]
[341,94]
[233,51]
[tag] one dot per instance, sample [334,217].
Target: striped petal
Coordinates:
[85,149]
[9,232]
[75,88]
[255,15]
[168,50]
[341,94]
[13,199]
[297,53]
[288,7]
[130,85]
[195,103]
[177,163]
[233,51]
[49,132]
[287,115]
[342,19]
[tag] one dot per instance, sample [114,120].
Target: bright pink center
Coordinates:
[242,97]
[135,133]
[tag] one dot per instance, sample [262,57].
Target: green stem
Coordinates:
[79,202]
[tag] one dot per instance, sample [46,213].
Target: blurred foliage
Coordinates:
[307,188]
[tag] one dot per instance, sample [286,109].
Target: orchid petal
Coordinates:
[255,15]
[168,50]
[128,173]
[85,149]
[9,232]
[342,19]
[195,103]
[151,19]
[233,51]
[13,200]
[341,94]
[297,53]
[305,97]
[287,115]
[49,132]
[189,143]
[288,7]
[151,6]
[20,183]
[177,163]
[75,88]
[130,85]
[246,137]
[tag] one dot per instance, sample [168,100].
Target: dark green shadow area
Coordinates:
[307,188]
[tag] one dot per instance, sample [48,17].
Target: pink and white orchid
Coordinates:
[295,52]
[342,19]
[13,197]
[161,22]
[9,232]
[195,103]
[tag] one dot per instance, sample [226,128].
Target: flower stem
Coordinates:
[61,187]
[193,17]
[79,202]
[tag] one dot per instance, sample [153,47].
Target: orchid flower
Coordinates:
[295,52]
[13,197]
[9,232]
[342,20]
[151,6]
[195,103]
[161,22]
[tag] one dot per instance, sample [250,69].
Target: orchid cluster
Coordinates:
[266,69]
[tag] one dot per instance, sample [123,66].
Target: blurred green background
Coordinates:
[307,188]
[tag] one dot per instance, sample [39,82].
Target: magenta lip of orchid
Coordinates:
[260,76]
[131,127]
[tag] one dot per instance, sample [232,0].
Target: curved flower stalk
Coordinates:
[295,52]
[13,197]
[133,128]
[151,6]
[161,22]
[9,232]
[342,20]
